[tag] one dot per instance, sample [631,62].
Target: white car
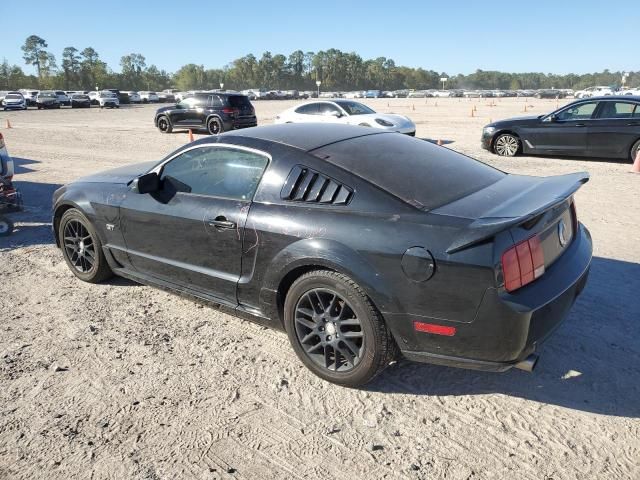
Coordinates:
[108,99]
[63,98]
[346,111]
[30,96]
[629,91]
[14,100]
[134,97]
[149,97]
[593,92]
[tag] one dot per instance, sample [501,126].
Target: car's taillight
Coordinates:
[231,111]
[522,263]
[1,141]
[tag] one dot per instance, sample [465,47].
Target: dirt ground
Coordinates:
[125,381]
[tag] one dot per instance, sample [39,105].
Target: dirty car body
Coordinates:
[429,240]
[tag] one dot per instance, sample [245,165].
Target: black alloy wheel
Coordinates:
[81,248]
[329,330]
[335,329]
[164,125]
[214,126]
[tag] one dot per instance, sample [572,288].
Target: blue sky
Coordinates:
[516,36]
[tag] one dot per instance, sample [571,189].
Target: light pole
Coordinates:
[318,83]
[443,80]
[221,86]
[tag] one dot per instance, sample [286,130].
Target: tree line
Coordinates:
[337,70]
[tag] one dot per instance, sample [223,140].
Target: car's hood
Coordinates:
[528,120]
[118,175]
[165,109]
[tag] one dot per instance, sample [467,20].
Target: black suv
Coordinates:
[216,112]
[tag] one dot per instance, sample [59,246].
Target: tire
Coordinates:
[635,150]
[6,227]
[345,341]
[506,145]
[164,125]
[214,126]
[81,248]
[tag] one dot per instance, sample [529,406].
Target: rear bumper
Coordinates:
[507,327]
[244,122]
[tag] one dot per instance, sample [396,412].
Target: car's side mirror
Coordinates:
[550,118]
[147,183]
[335,113]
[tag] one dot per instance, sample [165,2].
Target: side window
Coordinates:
[328,109]
[214,101]
[636,113]
[616,110]
[308,109]
[189,102]
[216,171]
[578,112]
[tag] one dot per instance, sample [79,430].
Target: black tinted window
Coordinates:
[616,110]
[239,101]
[217,171]
[214,101]
[309,109]
[418,172]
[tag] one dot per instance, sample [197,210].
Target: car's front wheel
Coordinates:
[81,248]
[335,329]
[164,125]
[214,126]
[506,145]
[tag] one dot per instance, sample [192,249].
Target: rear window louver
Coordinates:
[306,185]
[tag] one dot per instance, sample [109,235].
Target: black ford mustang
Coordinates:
[361,244]
[604,127]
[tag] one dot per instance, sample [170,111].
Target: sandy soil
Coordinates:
[126,381]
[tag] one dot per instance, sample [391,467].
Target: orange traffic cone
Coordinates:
[525,108]
[439,142]
[190,135]
[413,107]
[472,112]
[636,164]
[8,123]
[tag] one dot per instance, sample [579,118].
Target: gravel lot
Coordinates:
[125,381]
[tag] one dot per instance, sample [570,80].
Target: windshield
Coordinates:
[13,97]
[355,108]
[107,94]
[416,171]
[47,95]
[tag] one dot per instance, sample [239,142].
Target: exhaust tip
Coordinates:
[528,364]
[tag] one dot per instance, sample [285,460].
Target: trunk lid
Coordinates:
[524,205]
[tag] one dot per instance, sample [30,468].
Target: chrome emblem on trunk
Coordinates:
[562,233]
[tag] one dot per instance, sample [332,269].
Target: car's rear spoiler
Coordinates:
[510,201]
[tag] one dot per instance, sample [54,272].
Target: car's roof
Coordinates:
[305,136]
[635,98]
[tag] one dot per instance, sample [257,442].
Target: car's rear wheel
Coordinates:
[506,145]
[214,126]
[335,329]
[81,248]
[635,150]
[164,125]
[6,227]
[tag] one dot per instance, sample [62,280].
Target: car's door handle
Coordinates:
[221,223]
[633,124]
[579,125]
